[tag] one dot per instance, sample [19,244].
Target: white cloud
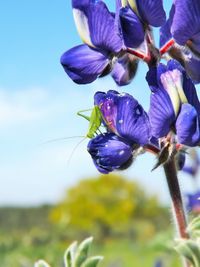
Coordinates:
[20,106]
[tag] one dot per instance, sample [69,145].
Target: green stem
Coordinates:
[175,193]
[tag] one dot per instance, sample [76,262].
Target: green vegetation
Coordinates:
[110,206]
[123,219]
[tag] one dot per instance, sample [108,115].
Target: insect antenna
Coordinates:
[74,149]
[61,139]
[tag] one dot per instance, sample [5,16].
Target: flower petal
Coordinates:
[80,12]
[171,80]
[124,116]
[132,120]
[190,170]
[109,152]
[102,28]
[183,84]
[165,33]
[186,20]
[193,201]
[187,126]
[192,67]
[80,4]
[108,107]
[131,27]
[83,64]
[124,70]
[161,112]
[190,92]
[151,12]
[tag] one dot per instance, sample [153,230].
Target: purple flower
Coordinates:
[192,66]
[185,56]
[185,24]
[193,202]
[96,26]
[124,116]
[133,17]
[129,26]
[127,128]
[124,69]
[193,168]
[150,12]
[174,104]
[110,152]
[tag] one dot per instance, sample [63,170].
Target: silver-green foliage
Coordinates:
[77,256]
[190,248]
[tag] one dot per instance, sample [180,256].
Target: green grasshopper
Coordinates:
[95,120]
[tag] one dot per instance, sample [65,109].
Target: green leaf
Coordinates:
[69,255]
[92,261]
[41,263]
[82,252]
[194,227]
[190,249]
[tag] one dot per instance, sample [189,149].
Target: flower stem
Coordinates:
[137,54]
[175,193]
[167,46]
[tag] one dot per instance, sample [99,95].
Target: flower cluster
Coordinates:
[114,43]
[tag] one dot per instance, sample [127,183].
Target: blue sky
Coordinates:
[38,102]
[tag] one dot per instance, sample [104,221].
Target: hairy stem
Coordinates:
[175,193]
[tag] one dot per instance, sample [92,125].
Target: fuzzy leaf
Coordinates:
[82,252]
[69,255]
[190,249]
[194,227]
[41,263]
[92,261]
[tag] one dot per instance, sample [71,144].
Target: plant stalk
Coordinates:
[175,193]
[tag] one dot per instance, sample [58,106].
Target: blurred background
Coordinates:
[50,192]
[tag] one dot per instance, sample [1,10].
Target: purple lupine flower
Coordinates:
[110,152]
[133,18]
[189,61]
[192,168]
[96,26]
[192,66]
[124,116]
[185,26]
[129,25]
[150,12]
[193,202]
[174,104]
[127,127]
